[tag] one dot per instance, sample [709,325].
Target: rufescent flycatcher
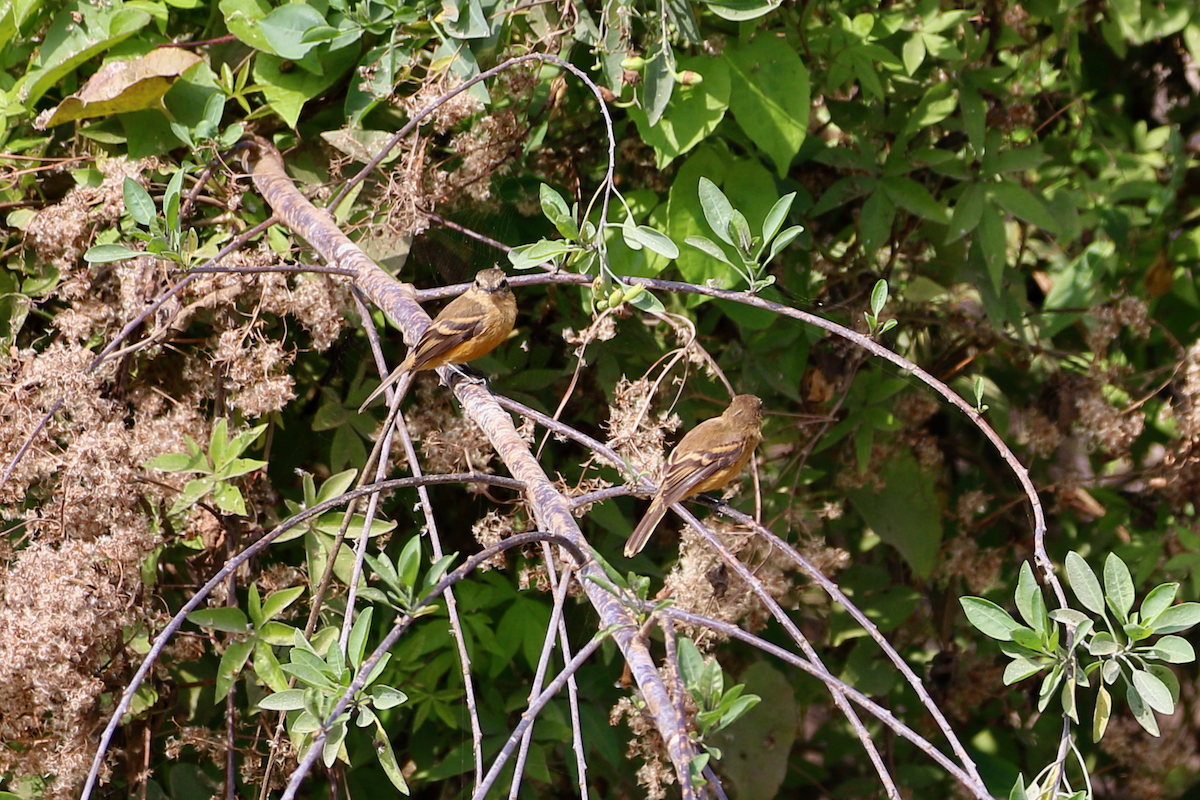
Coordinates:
[471,325]
[709,456]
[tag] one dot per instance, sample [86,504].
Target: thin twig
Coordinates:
[539,673]
[233,564]
[879,712]
[403,622]
[410,453]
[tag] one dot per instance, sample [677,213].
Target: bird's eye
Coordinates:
[504,283]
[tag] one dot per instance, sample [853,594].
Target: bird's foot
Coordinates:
[469,374]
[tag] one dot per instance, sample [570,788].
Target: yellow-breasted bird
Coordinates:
[471,325]
[709,456]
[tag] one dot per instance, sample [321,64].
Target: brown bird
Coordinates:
[471,325]
[709,456]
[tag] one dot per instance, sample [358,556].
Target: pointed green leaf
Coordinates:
[1177,619]
[228,619]
[914,198]
[770,96]
[968,211]
[1024,205]
[718,211]
[1118,587]
[989,618]
[1084,584]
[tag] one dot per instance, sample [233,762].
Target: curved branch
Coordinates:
[228,569]
[403,622]
[551,510]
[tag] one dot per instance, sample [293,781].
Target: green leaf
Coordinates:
[311,675]
[1069,701]
[914,198]
[1118,587]
[242,18]
[387,758]
[385,697]
[1141,710]
[692,114]
[1084,584]
[1022,204]
[232,661]
[1027,638]
[276,633]
[654,241]
[993,242]
[409,563]
[718,211]
[138,203]
[741,10]
[558,212]
[783,240]
[691,663]
[746,184]
[1157,601]
[770,96]
[1102,644]
[989,618]
[333,743]
[288,89]
[913,53]
[1015,160]
[968,211]
[1020,669]
[229,498]
[287,700]
[1173,650]
[879,297]
[267,668]
[659,82]
[1102,714]
[357,644]
[776,216]
[1153,691]
[1168,679]
[174,462]
[1049,685]
[285,26]
[228,619]
[276,602]
[906,513]
[843,191]
[80,32]
[875,222]
[937,104]
[974,113]
[172,199]
[1177,619]
[1030,603]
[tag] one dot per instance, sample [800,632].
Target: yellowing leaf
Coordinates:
[123,86]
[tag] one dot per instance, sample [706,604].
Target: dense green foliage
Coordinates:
[1020,176]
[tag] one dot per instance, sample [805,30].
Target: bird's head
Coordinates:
[491,280]
[745,408]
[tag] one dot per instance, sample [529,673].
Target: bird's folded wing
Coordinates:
[443,336]
[695,468]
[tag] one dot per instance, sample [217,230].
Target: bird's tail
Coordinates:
[641,534]
[398,374]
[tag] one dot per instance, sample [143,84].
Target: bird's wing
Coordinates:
[701,455]
[452,328]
